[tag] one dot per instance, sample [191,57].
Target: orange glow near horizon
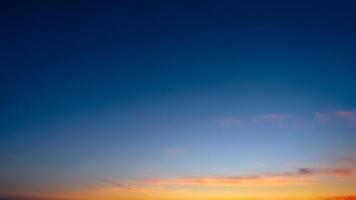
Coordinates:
[314,184]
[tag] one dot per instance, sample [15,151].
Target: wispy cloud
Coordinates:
[230,121]
[175,151]
[322,117]
[111,182]
[291,119]
[122,185]
[282,120]
[340,172]
[348,160]
[300,176]
[346,115]
[340,198]
[272,117]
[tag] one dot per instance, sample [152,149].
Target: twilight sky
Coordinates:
[177,99]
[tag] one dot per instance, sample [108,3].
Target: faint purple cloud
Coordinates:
[111,182]
[175,151]
[230,121]
[348,160]
[347,115]
[272,117]
[294,177]
[283,120]
[322,117]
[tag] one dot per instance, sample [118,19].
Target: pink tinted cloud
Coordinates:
[339,198]
[282,120]
[299,176]
[338,172]
[322,117]
[272,117]
[294,177]
[230,121]
[175,151]
[348,160]
[347,115]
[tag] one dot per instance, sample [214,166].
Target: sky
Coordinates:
[178,100]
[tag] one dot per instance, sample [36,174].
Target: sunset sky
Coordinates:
[178,100]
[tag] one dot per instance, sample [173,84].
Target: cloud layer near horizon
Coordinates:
[300,176]
[285,119]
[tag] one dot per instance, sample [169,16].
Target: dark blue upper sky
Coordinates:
[60,57]
[108,78]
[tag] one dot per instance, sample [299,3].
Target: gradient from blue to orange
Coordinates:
[141,95]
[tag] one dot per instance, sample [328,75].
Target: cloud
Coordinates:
[112,183]
[175,151]
[348,160]
[340,198]
[325,171]
[230,121]
[282,120]
[122,185]
[300,176]
[227,181]
[346,115]
[322,117]
[272,117]
[291,120]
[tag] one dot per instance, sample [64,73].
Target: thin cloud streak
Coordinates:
[175,151]
[348,160]
[347,115]
[275,118]
[272,117]
[230,121]
[288,120]
[340,198]
[300,176]
[322,117]
[282,120]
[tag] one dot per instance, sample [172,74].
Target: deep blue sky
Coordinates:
[106,88]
